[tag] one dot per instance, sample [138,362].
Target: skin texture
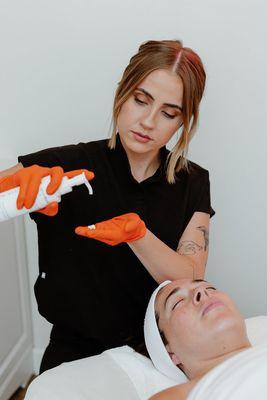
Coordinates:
[199,338]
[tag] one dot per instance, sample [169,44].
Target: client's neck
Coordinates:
[201,367]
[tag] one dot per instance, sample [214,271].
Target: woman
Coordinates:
[151,209]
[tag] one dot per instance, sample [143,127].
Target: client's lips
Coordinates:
[212,304]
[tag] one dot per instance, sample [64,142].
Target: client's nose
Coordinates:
[200,294]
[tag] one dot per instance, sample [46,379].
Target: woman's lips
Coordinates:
[211,306]
[141,138]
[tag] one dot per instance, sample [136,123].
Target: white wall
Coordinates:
[60,64]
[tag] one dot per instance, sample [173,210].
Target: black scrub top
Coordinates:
[86,286]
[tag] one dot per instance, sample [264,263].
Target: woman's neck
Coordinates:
[200,371]
[143,168]
[143,165]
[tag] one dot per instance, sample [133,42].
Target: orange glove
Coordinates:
[29,179]
[124,228]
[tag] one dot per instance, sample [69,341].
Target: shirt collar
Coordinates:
[121,160]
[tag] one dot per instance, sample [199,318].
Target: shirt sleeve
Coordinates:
[50,157]
[69,157]
[203,202]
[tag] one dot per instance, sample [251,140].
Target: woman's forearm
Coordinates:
[161,261]
[11,170]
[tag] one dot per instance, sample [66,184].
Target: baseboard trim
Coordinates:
[37,358]
[18,374]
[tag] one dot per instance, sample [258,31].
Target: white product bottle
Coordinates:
[8,199]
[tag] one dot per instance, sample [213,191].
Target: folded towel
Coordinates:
[141,372]
[241,377]
[155,346]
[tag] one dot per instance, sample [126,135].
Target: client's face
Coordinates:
[198,320]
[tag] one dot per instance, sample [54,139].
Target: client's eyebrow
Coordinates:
[175,290]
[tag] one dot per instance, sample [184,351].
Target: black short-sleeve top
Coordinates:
[94,289]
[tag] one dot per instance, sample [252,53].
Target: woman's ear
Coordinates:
[175,359]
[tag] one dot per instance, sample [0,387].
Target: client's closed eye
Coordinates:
[176,303]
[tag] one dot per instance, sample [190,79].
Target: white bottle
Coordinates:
[8,199]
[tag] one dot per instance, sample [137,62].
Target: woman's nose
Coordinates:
[148,121]
[199,295]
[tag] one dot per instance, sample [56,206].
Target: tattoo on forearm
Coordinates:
[188,247]
[205,232]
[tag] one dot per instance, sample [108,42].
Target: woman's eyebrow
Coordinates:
[175,290]
[165,104]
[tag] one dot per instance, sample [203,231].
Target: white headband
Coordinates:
[154,344]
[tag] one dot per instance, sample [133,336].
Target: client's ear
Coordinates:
[175,359]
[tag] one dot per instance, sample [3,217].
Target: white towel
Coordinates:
[241,377]
[121,373]
[155,346]
[141,372]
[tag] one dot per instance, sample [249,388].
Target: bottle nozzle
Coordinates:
[80,179]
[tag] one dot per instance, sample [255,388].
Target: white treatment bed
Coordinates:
[121,373]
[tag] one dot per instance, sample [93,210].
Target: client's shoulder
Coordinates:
[177,392]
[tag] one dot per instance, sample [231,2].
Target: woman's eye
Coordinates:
[211,287]
[142,102]
[169,116]
[139,101]
[177,302]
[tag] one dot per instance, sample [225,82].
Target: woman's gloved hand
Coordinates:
[124,228]
[29,179]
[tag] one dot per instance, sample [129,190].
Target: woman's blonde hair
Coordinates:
[170,55]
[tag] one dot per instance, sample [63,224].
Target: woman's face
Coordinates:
[199,321]
[154,110]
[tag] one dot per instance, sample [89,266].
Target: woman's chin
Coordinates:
[134,145]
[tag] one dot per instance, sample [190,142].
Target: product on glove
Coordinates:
[38,189]
[124,228]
